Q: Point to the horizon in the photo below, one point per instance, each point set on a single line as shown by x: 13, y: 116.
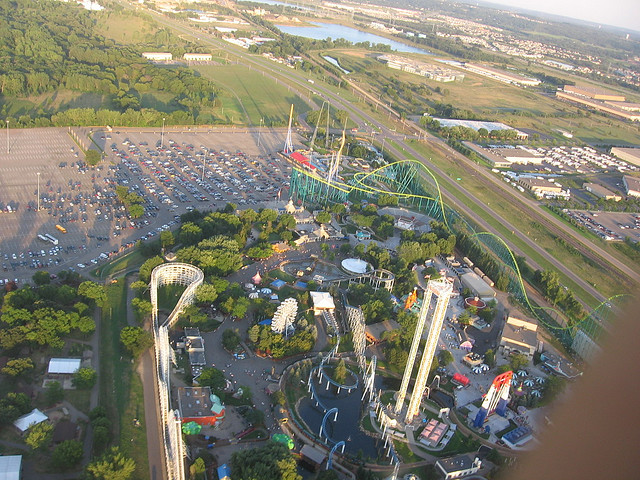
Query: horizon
x: 615, y: 13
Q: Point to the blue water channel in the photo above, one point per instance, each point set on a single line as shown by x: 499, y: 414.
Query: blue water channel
x: 347, y: 426
x: 321, y: 31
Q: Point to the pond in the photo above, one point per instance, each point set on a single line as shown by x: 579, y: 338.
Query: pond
x: 322, y: 31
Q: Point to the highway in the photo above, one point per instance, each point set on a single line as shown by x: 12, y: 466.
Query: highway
x: 532, y: 208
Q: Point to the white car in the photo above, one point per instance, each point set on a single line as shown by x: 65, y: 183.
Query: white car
x: 81, y: 265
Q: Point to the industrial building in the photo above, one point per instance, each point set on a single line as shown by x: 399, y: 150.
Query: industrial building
x: 520, y: 155
x: 519, y: 336
x: 542, y: 187
x: 589, y: 100
x: 631, y: 185
x: 595, y: 93
x: 601, y: 192
x: 427, y: 70
x: 502, y: 76
x: 631, y: 155
x: 478, y: 286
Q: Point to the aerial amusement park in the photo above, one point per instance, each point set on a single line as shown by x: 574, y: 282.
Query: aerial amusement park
x: 354, y: 406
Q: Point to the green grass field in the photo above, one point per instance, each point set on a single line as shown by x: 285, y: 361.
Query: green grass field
x: 130, y: 260
x: 249, y: 96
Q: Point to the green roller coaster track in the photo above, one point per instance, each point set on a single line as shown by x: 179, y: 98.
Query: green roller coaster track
x: 408, y: 181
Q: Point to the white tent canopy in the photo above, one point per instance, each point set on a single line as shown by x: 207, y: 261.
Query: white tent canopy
x: 10, y: 467
x: 322, y: 301
x: 63, y: 365
x: 32, y: 418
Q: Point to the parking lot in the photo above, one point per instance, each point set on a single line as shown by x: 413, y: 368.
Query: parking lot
x: 173, y: 171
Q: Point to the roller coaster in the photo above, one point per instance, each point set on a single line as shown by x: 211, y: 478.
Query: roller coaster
x: 415, y: 185
x: 191, y: 277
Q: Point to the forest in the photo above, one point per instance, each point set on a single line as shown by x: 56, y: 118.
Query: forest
x: 47, y: 46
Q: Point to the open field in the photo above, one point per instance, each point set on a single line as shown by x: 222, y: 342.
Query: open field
x: 249, y: 96
x: 126, y: 28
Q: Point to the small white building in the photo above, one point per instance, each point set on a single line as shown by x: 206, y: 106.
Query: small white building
x: 34, y: 417
x: 10, y: 467
x: 458, y: 466
x: 322, y: 302
x: 197, y: 57
x: 158, y: 56
x: 63, y: 366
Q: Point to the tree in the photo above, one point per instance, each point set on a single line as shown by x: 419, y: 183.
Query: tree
x: 92, y: 157
x: 214, y: 378
x: 323, y: 217
x: 136, y: 340
x: 39, y: 435
x: 53, y: 393
x: 93, y: 291
x: 141, y: 307
x: 67, y: 455
x: 112, y: 466
x: 464, y: 318
x: 273, y: 461
x: 139, y: 286
x: 518, y: 361
x: 340, y: 372
x: 254, y: 333
x: 445, y: 357
x: 197, y: 468
x: 490, y: 358
x: 230, y: 339
x: 41, y: 277
x: 136, y: 210
x: 147, y: 267
x: 18, y: 367
x: 206, y: 293
x: 85, y: 378
x: 167, y: 239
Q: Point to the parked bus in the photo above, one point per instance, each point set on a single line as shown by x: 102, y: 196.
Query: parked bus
x: 61, y: 228
x: 43, y: 238
x: 51, y: 238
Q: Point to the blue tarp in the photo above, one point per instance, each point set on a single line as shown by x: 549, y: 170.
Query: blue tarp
x: 278, y: 284
x: 266, y: 321
x: 224, y: 472
x: 301, y: 285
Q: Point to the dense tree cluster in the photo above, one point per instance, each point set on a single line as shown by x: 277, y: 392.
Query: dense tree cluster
x: 273, y: 461
x: 42, y: 316
x: 278, y: 346
x: 558, y: 294
x: 52, y: 45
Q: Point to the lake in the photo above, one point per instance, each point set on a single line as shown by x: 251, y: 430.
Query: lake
x: 322, y: 31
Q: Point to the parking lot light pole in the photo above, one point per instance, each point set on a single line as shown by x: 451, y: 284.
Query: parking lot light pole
x: 38, y: 192
x: 260, y: 131
x: 204, y: 162
x: 7, y: 137
x: 162, y: 135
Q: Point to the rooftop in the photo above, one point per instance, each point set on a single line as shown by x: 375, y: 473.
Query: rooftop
x: 10, y: 467
x: 63, y: 365
x: 322, y: 300
x: 195, y: 401
x: 457, y: 463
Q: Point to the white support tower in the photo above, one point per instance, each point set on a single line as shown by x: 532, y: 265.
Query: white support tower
x: 411, y: 359
x: 288, y: 143
x: 442, y: 289
x: 356, y: 321
x: 336, y: 159
x: 284, y: 317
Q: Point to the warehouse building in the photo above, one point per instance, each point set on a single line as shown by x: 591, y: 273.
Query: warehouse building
x: 197, y: 57
x: 631, y: 155
x: 631, y: 185
x: 601, y: 192
x: 519, y: 336
x: 595, y: 93
x: 609, y: 107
